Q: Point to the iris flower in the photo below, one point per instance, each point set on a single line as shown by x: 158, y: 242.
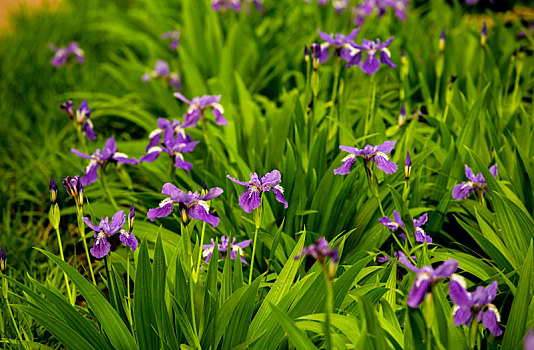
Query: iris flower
x: 475, y: 184
x: 342, y: 44
x: 81, y: 120
x: 251, y: 198
x: 107, y: 229
x: 195, y: 205
x: 174, y: 35
x: 174, y: 144
x: 320, y: 251
x: 427, y: 277
x: 198, y: 106
x: 374, y: 154
x: 74, y: 188
x: 99, y: 159
x: 161, y: 71
x: 63, y: 54
x: 474, y: 305
x: 371, y: 48
x: 207, y: 250
x: 420, y: 235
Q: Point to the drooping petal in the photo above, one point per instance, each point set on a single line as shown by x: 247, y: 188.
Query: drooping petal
x: 199, y: 212
x: 161, y: 212
x: 490, y: 319
x: 421, y: 236
x: 462, y: 315
x: 80, y: 154
x: 192, y: 118
x: 386, y: 221
x: 238, y: 181
x: 371, y: 64
x: 90, y: 224
x: 119, y: 157
x: 420, y: 287
x: 129, y: 239
x: 404, y: 260
x: 385, y: 164
x: 384, y: 58
x: 181, y: 163
x: 88, y: 130
x: 346, y: 167
x: 278, y: 193
x: 212, y: 193
x: 219, y: 117
x: 250, y: 199
x: 152, y: 155
x: 458, y: 292
x: 91, y: 175
x: 462, y: 191
x: 356, y: 60
x: 101, y: 246
x: 446, y: 269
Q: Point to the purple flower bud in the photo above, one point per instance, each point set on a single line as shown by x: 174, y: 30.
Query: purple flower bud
x: 53, y: 190
x: 3, y: 260
x: 484, y: 34
x: 131, y: 218
x: 320, y: 252
x: 442, y: 41
x: 402, y: 115
x: 407, y: 166
x: 74, y: 188
x: 306, y: 54
x: 68, y: 107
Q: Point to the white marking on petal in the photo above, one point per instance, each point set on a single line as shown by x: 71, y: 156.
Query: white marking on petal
x: 218, y: 107
x: 165, y: 202
x: 353, y: 51
x: 421, y: 277
x: 120, y: 155
x: 279, y: 188
x: 386, y: 51
x: 350, y: 156
x: 92, y: 163
x: 154, y: 149
x: 205, y: 205
x: 459, y: 279
x: 154, y: 133
x: 467, y: 184
x: 252, y: 190
x: 493, y: 309
x: 382, y: 154
x: 207, y: 251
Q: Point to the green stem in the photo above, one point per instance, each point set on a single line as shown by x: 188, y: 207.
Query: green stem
x: 335, y: 86
x: 81, y: 227
x: 172, y: 169
x: 105, y: 188
x: 71, y: 297
x: 200, y: 249
x: 329, y: 307
x: 473, y: 332
x: 128, y: 288
x: 5, y: 292
x: 371, y: 106
x: 253, y: 255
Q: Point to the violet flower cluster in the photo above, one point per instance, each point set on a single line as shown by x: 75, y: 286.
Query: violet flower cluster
x: 384, y: 259
x: 175, y: 143
x: 370, y: 154
x: 343, y: 44
x: 469, y: 306
x: 107, y: 228
x: 320, y: 252
x: 100, y: 159
x: 74, y: 188
x: 63, y: 55
x: 81, y: 119
x: 427, y: 277
x: 251, y: 198
x: 161, y: 71
x: 397, y: 223
x: 475, y: 184
x: 236, y: 5
x: 368, y: 7
x: 198, y: 107
x: 207, y: 250
x: 174, y: 35
x: 192, y: 205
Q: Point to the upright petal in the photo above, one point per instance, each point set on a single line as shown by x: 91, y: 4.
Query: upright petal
x: 446, y: 269
x: 109, y: 148
x: 170, y: 190
x: 212, y: 193
x: 117, y: 221
x: 421, y: 221
x: 493, y: 170
x: 469, y: 173
x: 271, y: 179
x: 492, y: 291
x: 250, y: 199
x: 80, y: 154
x: 398, y: 218
x: 90, y: 224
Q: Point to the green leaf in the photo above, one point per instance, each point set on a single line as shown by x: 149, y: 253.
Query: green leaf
x: 298, y: 338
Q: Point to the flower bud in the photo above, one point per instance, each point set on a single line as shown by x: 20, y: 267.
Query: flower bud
x: 442, y: 42
x: 53, y: 190
x: 3, y: 260
x: 131, y: 218
x: 184, y: 211
x: 407, y: 166
x: 484, y: 34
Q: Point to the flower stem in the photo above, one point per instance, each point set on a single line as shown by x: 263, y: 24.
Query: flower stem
x: 329, y: 306
x: 105, y: 188
x: 5, y: 292
x: 71, y: 297
x: 81, y: 228
x: 371, y: 106
x: 200, y: 250
x: 128, y: 288
x: 473, y: 332
x: 172, y: 169
x: 253, y: 254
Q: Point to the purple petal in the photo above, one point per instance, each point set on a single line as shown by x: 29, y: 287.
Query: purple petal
x: 129, y: 239
x: 420, y: 287
x: 250, y: 199
x: 385, y: 165
x: 386, y: 221
x: 171, y: 190
x: 181, y: 97
x: 109, y: 149
x: 117, y: 221
x: 493, y: 170
x: 90, y: 224
x: 162, y: 68
x: 421, y: 221
x: 328, y: 38
x: 91, y: 176
x: 151, y: 156
x: 88, y: 130
x: 212, y: 193
x: 192, y: 118
x: 404, y: 260
x: 386, y: 147
x: 346, y: 167
x: 219, y: 118
x: 384, y: 58
x: 80, y: 154
x: 492, y: 291
x: 279, y: 196
x: 446, y: 269
x: 462, y: 191
x: 490, y: 319
x: 371, y: 64
x: 458, y: 293
x: 469, y: 173
x: 271, y: 179
x: 199, y: 212
x: 237, y: 181
x: 101, y: 247
x: 398, y: 218
x: 181, y: 163
x: 356, y: 60
x: 160, y: 212
x: 463, y: 316
x: 126, y: 160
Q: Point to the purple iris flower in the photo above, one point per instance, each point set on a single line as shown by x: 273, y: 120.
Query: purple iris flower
x: 63, y: 54
x: 81, y: 120
x: 477, y: 184
x: 320, y: 251
x: 367, y: 7
x: 420, y: 235
x: 101, y: 159
x: 372, y: 64
x: 236, y: 5
x: 207, y: 250
x: 342, y: 44
x: 427, y: 278
x: 3, y: 260
x: 529, y: 340
x: 174, y: 35
x: 163, y: 124
x: 74, y: 188
x: 477, y: 304
x: 198, y: 106
x: 376, y: 154
x: 53, y: 190
x: 251, y: 198
x: 195, y: 205
x: 384, y: 259
x: 319, y: 54
x: 175, y: 143
x: 161, y: 71
x: 107, y: 229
